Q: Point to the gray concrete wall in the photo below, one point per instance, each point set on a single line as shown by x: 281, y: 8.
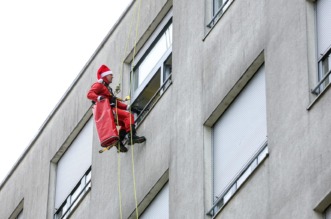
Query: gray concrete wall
x: 207, y: 63
x: 288, y: 184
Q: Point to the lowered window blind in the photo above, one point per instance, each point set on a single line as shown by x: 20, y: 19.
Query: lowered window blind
x: 323, y: 26
x: 159, y: 207
x: 239, y: 132
x: 74, y: 163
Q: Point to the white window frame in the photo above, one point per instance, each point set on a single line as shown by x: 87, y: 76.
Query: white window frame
x: 73, y: 183
x: 158, y: 79
x: 218, y: 10
x: 323, y: 55
x: 145, y: 50
x: 72, y: 200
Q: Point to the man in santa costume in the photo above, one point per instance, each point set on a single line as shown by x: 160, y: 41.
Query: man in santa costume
x: 101, y: 90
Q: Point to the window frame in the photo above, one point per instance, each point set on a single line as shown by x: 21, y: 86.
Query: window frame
x: 77, y: 194
x: 144, y: 52
x: 137, y: 94
x: 252, y: 164
x: 151, y: 194
x: 71, y: 187
x: 163, y: 193
x: 218, y: 13
x: 323, y: 77
x: 19, y: 211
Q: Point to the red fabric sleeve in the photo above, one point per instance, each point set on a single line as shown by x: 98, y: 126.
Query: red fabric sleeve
x: 121, y: 105
x: 94, y: 92
x: 98, y: 89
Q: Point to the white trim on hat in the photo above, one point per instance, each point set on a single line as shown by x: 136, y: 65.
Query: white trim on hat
x: 106, y: 73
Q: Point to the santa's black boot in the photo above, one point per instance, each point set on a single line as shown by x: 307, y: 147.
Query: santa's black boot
x: 122, y: 134
x: 134, y: 138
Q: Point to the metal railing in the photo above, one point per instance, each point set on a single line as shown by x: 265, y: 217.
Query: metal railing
x: 317, y: 90
x: 237, y: 181
x: 72, y: 199
x: 322, y: 61
x: 218, y: 14
x: 144, y: 112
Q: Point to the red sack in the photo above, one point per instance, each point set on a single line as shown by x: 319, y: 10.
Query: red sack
x: 104, y: 121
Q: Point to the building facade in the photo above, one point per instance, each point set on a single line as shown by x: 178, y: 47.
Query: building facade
x: 232, y: 97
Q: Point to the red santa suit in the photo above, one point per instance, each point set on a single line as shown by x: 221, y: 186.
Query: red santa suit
x: 101, y: 89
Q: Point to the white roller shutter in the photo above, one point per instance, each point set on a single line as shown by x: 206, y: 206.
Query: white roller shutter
x: 74, y: 163
x: 239, y: 132
x: 323, y: 26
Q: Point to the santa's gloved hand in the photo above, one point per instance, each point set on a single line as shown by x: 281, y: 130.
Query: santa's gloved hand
x: 100, y: 98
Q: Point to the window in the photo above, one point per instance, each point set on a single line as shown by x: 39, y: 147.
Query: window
x: 239, y: 141
x: 73, y: 176
x: 152, y: 72
x: 20, y: 215
x: 327, y: 213
x: 219, y: 7
x: 323, y: 19
x: 18, y: 212
x: 159, y: 207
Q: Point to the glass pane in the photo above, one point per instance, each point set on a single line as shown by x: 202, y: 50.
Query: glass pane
x: 244, y: 177
x: 323, y: 26
x: 230, y: 193
x: 325, y: 66
x: 217, y: 5
x: 74, y: 163
x: 167, y: 68
x: 88, y: 177
x: 147, y: 94
x: 262, y: 155
x: 153, y: 57
x: 77, y: 192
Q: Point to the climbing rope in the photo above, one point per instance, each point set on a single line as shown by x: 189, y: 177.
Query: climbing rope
x: 132, y: 151
x: 117, y: 90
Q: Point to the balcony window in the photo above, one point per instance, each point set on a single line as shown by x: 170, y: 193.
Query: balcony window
x: 152, y: 74
x: 219, y: 7
x: 239, y: 141
x: 73, y: 174
x: 159, y: 207
x: 323, y: 19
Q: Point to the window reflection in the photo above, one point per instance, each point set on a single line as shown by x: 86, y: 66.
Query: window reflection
x: 153, y: 57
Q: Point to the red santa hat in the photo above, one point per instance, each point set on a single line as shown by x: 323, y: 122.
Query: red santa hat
x: 102, y: 72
